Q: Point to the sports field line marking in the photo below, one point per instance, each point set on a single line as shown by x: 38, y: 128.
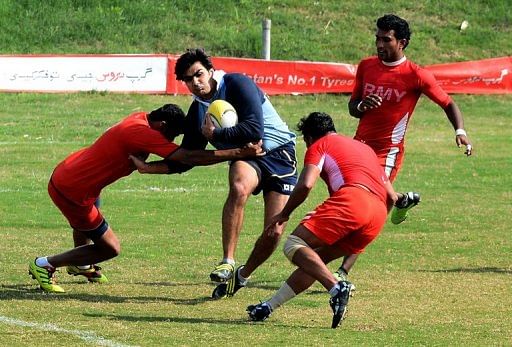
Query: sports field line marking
x: 84, y: 335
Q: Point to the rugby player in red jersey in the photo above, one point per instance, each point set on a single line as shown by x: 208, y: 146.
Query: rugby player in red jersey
x: 76, y: 184
x: 386, y: 90
x: 360, y: 196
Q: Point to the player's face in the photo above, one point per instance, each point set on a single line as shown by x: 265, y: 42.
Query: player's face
x: 389, y: 48
x: 199, y: 81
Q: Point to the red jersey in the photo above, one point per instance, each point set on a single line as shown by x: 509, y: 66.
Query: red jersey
x: 346, y: 162
x: 400, y: 87
x: 83, y: 174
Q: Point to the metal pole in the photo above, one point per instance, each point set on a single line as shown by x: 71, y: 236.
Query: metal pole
x: 266, y: 38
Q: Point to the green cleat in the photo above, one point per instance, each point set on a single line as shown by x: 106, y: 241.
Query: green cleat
x: 222, y: 272
x: 44, y: 277
x: 93, y: 273
x: 403, y: 205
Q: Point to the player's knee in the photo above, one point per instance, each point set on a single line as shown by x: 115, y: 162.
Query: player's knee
x: 292, y: 245
x: 239, y: 192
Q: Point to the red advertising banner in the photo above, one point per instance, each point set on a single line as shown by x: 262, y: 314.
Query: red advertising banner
x: 490, y: 76
x: 282, y: 77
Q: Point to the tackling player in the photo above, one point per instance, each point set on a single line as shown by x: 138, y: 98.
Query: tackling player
x: 76, y: 184
x: 360, y: 195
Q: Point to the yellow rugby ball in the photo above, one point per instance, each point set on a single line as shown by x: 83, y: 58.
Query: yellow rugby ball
x: 222, y: 114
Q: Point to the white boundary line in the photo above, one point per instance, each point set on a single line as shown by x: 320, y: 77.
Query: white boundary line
x: 84, y: 335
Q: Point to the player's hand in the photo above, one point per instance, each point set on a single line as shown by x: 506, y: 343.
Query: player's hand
x: 369, y: 102
x: 278, y: 220
x: 254, y: 149
x: 463, y: 140
x: 207, y: 128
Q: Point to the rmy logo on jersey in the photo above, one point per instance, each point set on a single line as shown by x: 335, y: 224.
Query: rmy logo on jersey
x: 384, y: 92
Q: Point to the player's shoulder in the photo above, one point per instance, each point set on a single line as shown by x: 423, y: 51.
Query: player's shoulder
x: 236, y: 77
x: 372, y: 60
x: 418, y: 70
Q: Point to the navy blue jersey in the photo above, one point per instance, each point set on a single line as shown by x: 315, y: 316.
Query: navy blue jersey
x: 257, y: 118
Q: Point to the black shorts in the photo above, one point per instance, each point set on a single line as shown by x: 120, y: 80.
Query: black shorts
x: 277, y: 170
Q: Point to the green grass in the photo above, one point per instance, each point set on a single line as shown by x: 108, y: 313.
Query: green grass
x: 331, y: 30
x: 441, y: 278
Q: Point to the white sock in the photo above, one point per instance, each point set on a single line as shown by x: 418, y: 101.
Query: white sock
x: 228, y: 261
x: 243, y: 280
x: 283, y: 294
x: 334, y: 290
x: 84, y: 267
x: 43, y: 262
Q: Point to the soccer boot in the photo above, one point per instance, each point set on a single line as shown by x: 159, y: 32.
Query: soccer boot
x: 404, y: 204
x: 259, y: 312
x: 339, y: 303
x: 93, y: 273
x: 229, y: 288
x: 222, y: 272
x: 341, y: 275
x: 45, y: 278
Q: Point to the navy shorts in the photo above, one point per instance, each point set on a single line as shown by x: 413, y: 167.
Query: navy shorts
x: 277, y: 170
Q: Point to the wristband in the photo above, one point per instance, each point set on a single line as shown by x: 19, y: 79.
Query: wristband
x: 359, y: 106
x: 460, y: 132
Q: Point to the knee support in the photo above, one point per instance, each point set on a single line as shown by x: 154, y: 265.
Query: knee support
x: 292, y: 245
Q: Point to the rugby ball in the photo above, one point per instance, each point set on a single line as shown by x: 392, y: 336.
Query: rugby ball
x: 222, y: 114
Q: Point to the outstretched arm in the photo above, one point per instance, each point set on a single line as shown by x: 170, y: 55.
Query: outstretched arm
x: 208, y: 157
x: 455, y: 117
x: 197, y: 158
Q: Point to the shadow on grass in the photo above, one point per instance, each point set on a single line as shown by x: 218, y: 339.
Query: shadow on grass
x: 30, y: 292
x: 186, y: 320
x: 191, y: 320
x: 252, y: 284
x: 474, y: 270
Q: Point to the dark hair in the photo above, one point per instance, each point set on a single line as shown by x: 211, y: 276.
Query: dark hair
x: 187, y: 59
x: 316, y: 125
x: 400, y: 26
x: 172, y: 115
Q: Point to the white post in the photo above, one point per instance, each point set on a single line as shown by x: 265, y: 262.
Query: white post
x: 266, y: 38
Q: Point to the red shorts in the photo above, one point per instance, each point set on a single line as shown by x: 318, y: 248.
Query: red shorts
x: 391, y: 161
x: 351, y: 218
x: 80, y: 217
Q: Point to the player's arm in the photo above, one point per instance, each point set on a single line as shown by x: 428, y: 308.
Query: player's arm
x: 392, y: 196
x: 431, y: 88
x: 455, y: 117
x: 359, y: 104
x: 247, y: 99
x: 195, y: 158
x: 306, y: 182
x: 154, y: 167
x: 357, y: 107
x: 209, y: 157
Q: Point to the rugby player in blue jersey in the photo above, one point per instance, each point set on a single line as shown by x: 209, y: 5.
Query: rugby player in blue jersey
x: 274, y: 174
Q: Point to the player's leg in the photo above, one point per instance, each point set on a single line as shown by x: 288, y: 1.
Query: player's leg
x: 243, y: 180
x: 297, y: 283
x: 391, y: 160
x: 302, y: 255
x: 103, y: 248
x: 278, y: 172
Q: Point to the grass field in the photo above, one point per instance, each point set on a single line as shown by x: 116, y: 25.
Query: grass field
x: 444, y: 277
